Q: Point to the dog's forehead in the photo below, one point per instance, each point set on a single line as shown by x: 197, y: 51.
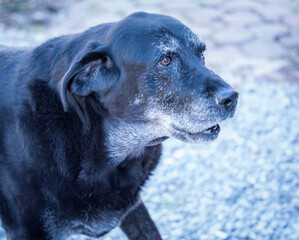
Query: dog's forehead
x: 171, y: 41
x: 144, y: 35
x: 170, y: 33
x: 156, y: 24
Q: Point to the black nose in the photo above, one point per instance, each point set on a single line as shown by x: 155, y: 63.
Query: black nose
x: 227, y: 99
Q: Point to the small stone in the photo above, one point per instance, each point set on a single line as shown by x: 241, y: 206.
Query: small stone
x: 263, y: 49
x: 292, y: 20
x: 206, y: 237
x: 168, y: 161
x: 268, y: 32
x: 241, y: 18
x: 179, y: 153
x: 177, y: 232
x: 221, y: 234
x: 274, y: 12
x: 261, y: 225
x: 232, y: 35
x: 40, y: 17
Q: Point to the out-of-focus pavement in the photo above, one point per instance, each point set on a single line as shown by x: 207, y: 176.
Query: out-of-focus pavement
x: 257, y: 37
x: 245, y: 185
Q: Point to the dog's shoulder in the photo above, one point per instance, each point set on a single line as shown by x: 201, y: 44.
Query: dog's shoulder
x: 10, y: 59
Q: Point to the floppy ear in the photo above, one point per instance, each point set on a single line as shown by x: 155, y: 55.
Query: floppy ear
x: 95, y: 71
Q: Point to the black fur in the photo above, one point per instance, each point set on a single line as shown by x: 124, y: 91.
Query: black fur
x: 72, y: 111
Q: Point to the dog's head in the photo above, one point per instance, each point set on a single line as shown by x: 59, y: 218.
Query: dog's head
x: 149, y: 70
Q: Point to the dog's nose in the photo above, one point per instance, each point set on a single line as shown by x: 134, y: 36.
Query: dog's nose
x: 227, y: 99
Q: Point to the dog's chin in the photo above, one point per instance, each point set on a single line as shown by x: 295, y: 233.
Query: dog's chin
x: 157, y: 141
x: 207, y: 135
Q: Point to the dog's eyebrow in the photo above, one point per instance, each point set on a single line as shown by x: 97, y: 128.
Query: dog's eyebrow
x: 197, y: 46
x: 169, y: 44
x: 201, y: 46
x: 194, y: 42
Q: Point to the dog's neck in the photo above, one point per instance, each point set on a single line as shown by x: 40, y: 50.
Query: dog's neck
x: 128, y: 140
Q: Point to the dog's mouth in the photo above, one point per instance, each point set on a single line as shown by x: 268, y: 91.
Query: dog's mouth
x: 211, y: 130
x: 205, y: 135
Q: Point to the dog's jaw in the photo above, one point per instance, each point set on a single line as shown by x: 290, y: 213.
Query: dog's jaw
x: 128, y: 140
x: 156, y: 141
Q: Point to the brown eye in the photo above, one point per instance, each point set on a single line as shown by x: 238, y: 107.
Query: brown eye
x: 165, y: 62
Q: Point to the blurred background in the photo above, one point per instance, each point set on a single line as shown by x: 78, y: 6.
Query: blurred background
x: 245, y: 185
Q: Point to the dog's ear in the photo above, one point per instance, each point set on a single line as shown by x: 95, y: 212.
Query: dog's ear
x: 93, y: 71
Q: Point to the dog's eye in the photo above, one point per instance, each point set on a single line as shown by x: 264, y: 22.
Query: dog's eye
x: 165, y: 62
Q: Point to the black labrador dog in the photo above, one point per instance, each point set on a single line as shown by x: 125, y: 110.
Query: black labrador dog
x: 82, y: 118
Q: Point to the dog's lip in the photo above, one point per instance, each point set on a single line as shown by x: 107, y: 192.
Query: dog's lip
x: 214, y: 129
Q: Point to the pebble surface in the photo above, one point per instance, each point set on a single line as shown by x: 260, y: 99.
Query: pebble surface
x: 244, y: 185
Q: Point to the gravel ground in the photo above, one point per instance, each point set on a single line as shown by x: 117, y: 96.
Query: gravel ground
x: 245, y: 185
